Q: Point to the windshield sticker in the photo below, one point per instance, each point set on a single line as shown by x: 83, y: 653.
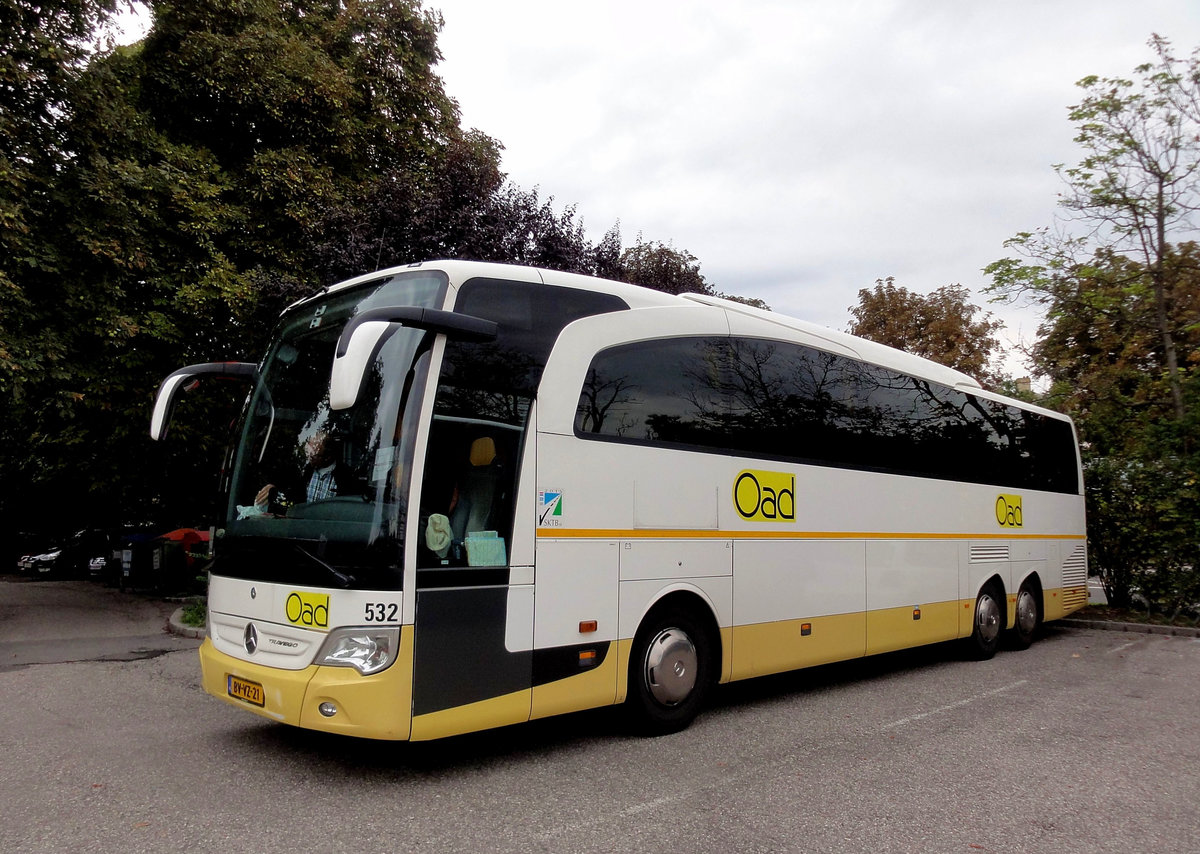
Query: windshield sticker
x: 550, y: 508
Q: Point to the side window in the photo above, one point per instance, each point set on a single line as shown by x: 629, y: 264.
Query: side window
x: 670, y: 391
x: 789, y: 401
x: 786, y: 401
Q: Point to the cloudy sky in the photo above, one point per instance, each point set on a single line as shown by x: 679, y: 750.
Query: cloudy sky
x: 799, y: 149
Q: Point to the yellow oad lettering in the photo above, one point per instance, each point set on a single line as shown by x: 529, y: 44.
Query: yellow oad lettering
x: 308, y: 609
x: 1008, y: 511
x: 765, y: 496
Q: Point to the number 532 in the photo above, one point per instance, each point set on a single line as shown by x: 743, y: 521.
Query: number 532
x: 382, y: 612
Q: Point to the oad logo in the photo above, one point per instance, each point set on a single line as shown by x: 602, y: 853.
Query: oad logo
x: 765, y: 496
x: 308, y: 609
x: 1008, y: 511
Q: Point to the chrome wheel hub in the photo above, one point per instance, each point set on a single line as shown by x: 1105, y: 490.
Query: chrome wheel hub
x: 987, y: 618
x: 671, y: 665
x: 1026, y: 612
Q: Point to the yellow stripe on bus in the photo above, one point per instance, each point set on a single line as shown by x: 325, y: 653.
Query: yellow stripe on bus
x: 687, y: 533
x: 493, y: 712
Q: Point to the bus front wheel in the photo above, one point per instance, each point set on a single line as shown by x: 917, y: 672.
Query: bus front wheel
x: 670, y: 672
x: 989, y: 620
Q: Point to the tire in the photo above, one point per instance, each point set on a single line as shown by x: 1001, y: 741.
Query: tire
x: 1029, y: 617
x: 670, y: 672
x: 988, y: 621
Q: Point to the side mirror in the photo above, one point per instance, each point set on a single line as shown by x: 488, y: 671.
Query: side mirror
x: 366, y: 332
x: 186, y: 379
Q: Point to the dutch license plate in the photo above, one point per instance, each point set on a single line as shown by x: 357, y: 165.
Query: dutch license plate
x: 247, y: 691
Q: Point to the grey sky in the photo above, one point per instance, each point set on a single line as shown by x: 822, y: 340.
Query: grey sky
x: 799, y: 149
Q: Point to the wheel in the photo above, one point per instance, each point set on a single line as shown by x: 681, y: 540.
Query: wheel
x: 989, y: 620
x: 1029, y: 617
x: 670, y: 672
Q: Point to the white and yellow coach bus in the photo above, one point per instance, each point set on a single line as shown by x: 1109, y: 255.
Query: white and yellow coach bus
x: 466, y: 495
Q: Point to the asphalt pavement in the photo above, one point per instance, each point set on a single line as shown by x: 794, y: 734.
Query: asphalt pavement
x: 1085, y: 742
x: 55, y: 622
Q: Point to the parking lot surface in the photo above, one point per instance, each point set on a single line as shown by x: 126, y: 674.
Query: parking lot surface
x: 52, y: 622
x: 1088, y: 741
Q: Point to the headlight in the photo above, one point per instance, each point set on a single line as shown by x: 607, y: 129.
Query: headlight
x: 368, y: 650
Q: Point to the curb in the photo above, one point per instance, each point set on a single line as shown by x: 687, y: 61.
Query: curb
x: 176, y: 626
x: 1136, y: 628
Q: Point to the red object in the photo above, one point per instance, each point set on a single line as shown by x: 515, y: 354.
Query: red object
x: 188, y: 538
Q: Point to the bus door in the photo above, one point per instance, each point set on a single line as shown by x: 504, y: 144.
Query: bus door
x: 472, y: 659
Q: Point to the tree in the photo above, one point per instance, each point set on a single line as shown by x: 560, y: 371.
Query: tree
x: 1133, y: 191
x: 1119, y: 280
x: 192, y: 180
x: 43, y: 48
x: 943, y: 326
x: 662, y: 267
x: 162, y: 202
x: 1101, y: 349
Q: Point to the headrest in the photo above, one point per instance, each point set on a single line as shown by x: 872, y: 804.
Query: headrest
x: 483, y: 451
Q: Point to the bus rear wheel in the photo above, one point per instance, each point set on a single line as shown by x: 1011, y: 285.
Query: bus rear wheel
x: 670, y: 672
x: 989, y: 620
x: 1029, y: 617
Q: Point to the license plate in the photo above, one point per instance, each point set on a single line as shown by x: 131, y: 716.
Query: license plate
x: 247, y: 691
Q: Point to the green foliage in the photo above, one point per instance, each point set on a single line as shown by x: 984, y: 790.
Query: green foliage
x: 1100, y: 346
x: 1121, y: 339
x: 185, y: 186
x: 195, y: 614
x: 663, y: 267
x: 943, y: 326
x: 160, y: 203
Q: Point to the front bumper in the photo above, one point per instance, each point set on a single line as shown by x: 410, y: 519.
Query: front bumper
x: 376, y: 706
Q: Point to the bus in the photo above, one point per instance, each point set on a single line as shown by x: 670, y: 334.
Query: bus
x: 465, y: 495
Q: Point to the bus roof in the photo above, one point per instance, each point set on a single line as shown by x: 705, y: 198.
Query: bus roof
x: 637, y: 296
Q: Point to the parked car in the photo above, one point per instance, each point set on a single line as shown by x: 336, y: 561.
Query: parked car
x: 39, y: 564
x: 68, y: 558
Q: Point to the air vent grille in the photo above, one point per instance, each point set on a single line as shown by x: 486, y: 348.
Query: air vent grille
x: 1075, y: 570
x: 989, y: 554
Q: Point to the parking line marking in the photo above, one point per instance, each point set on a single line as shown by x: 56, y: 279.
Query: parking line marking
x: 952, y: 706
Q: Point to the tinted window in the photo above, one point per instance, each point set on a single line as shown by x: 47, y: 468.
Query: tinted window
x: 785, y: 401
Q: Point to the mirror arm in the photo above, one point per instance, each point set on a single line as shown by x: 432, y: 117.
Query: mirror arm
x: 168, y: 391
x: 459, y: 327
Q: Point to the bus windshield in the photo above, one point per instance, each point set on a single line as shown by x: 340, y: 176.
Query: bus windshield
x: 317, y: 496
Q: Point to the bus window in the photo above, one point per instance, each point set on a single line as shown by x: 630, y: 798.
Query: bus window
x: 480, y: 417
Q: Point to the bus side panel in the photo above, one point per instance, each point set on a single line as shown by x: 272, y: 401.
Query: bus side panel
x: 576, y: 608
x: 912, y: 593
x: 472, y: 663
x: 797, y: 603
x: 1066, y: 590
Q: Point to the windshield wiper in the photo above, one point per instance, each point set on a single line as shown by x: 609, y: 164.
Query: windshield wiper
x: 344, y: 581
